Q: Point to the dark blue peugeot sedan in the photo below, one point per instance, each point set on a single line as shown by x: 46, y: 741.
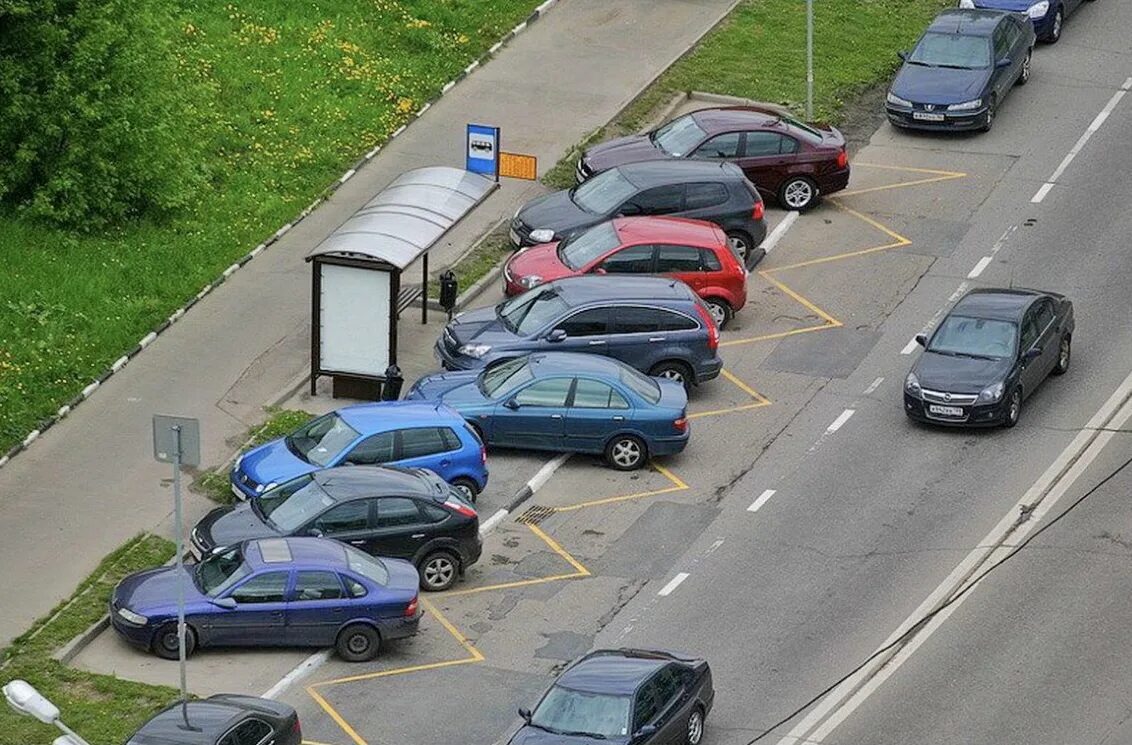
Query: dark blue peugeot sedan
x: 961, y: 69
x: 274, y: 592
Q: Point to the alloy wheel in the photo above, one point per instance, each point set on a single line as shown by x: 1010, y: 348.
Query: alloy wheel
x: 1055, y: 32
x: 695, y: 727
x: 1026, y: 63
x: 718, y: 314
x: 626, y: 453
x: 738, y: 244
x: 439, y: 571
x: 466, y: 491
x: 673, y: 374
x: 798, y: 194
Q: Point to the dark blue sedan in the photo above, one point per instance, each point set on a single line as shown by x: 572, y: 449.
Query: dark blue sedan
x: 274, y: 592
x: 568, y: 402
x: 1048, y: 15
x: 961, y: 69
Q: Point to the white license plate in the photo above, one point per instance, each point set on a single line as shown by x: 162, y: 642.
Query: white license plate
x: 514, y: 237
x: 239, y: 494
x: 926, y: 117
x: 945, y: 410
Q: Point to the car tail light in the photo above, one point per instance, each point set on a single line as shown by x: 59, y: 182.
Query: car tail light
x: 460, y: 508
x: 297, y: 730
x: 759, y: 210
x: 712, y: 329
x: 411, y: 608
x: 842, y: 158
x: 483, y: 455
x: 680, y: 424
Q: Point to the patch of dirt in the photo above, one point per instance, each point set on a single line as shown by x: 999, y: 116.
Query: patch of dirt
x: 863, y: 115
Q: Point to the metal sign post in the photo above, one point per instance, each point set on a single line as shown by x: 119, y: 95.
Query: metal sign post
x: 809, y: 59
x: 176, y: 440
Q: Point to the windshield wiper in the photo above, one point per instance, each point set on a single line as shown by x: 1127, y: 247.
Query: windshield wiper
x: 921, y: 64
x: 974, y: 356
x: 955, y: 67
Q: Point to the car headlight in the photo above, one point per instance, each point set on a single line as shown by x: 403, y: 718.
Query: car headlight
x: 1038, y: 10
x: 912, y: 384
x: 542, y: 235
x: 966, y: 105
x: 968, y: 4
x: 896, y: 100
x: 135, y: 618
x: 992, y: 394
x: 239, y: 462
x: 474, y: 350
x: 531, y: 281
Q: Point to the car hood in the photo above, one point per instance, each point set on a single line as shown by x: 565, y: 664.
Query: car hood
x: 453, y: 388
x: 939, y: 85
x: 1018, y: 6
x: 152, y: 589
x: 225, y: 526
x: 528, y: 735
x: 631, y: 149
x: 481, y: 326
x: 274, y: 462
x: 556, y: 212
x: 541, y: 260
x: 941, y: 372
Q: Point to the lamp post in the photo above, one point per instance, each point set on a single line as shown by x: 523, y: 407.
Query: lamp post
x: 809, y: 59
x: 28, y: 702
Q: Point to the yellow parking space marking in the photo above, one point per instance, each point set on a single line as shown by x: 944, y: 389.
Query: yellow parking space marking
x: 937, y: 176
x: 582, y: 571
x: 579, y: 570
x: 350, y: 731
x: 759, y: 399
x: 677, y: 485
x: 314, y: 742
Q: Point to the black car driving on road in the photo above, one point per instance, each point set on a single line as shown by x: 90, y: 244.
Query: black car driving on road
x: 222, y: 719
x: 639, y: 696
x: 991, y: 352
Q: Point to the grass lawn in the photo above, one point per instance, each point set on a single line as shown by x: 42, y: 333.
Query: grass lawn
x: 759, y: 52
x: 280, y: 422
x: 102, y: 709
x: 293, y: 92
x: 491, y: 251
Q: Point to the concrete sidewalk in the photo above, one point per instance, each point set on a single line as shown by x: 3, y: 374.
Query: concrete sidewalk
x: 90, y: 482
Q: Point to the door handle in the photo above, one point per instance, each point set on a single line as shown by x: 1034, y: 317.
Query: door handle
x: 418, y: 535
x: 656, y: 338
x: 360, y: 542
x: 555, y: 416
x: 618, y: 418
x: 596, y: 343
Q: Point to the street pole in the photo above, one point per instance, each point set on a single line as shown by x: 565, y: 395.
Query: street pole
x: 809, y: 59
x: 178, y: 529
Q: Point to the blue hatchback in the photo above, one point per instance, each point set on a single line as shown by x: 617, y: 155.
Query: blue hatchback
x: 568, y: 402
x: 401, y: 433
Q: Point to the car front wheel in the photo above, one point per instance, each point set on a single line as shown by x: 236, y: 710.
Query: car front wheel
x: 1055, y: 30
x: 166, y: 645
x: 1064, y: 354
x: 695, y: 731
x: 1026, y: 67
x: 626, y: 452
x: 1013, y: 408
x: 992, y: 105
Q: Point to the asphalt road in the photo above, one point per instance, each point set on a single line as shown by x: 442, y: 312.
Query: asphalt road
x: 868, y: 513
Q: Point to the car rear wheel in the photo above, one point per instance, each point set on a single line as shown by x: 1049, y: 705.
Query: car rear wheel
x: 1013, y: 408
x: 467, y: 487
x: 797, y: 193
x: 1024, y: 77
x: 744, y: 247
x: 358, y: 643
x: 673, y: 370
x: 166, y: 646
x: 1064, y: 354
x: 626, y: 452
x: 720, y: 311
x: 439, y: 571
x: 695, y: 731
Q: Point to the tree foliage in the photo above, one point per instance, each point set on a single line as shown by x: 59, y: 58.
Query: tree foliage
x: 92, y: 112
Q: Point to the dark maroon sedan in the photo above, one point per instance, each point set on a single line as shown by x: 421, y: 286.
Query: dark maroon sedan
x: 786, y: 159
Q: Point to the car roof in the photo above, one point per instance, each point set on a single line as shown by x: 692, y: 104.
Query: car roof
x: 210, y: 718
x: 967, y: 21
x: 625, y: 287
x: 554, y: 363
x: 389, y: 415
x: 347, y: 482
x: 669, y: 230
x: 996, y: 303
x: 722, y: 119
x: 610, y: 672
x: 649, y: 173
x: 294, y: 550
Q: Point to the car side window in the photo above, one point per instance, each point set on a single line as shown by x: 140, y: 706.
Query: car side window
x: 551, y: 392
x: 269, y: 587
x: 317, y: 585
x: 1001, y: 43
x: 591, y: 322
x: 1029, y: 332
x: 630, y: 260
x: 721, y: 146
x: 787, y: 144
x: 373, y: 450
x: 593, y: 394
x: 661, y: 200
x: 248, y: 732
x: 710, y: 261
x: 669, y: 681
x: 355, y: 588
x: 677, y: 259
x: 763, y: 143
x: 703, y: 195
x: 345, y: 518
x: 432, y: 513
x: 1045, y: 315
x: 393, y: 512
x: 634, y: 320
x: 421, y: 441
x: 669, y: 321
x: 451, y: 439
x: 646, y: 704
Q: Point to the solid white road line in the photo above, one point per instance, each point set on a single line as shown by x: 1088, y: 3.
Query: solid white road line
x: 983, y: 264
x: 673, y: 584
x: 1080, y: 145
x: 840, y: 420
x: 303, y: 668
x: 779, y: 231
x: 763, y: 499
x: 876, y: 383
x: 910, y: 346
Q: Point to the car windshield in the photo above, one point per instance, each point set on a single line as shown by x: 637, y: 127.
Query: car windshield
x: 584, y: 247
x: 962, y: 336
x: 951, y: 50
x: 289, y: 508
x: 216, y: 573
x: 603, y: 193
x: 505, y: 377
x: 679, y: 136
x: 565, y: 710
x: 529, y: 312
x: 322, y: 440
x: 641, y: 385
x: 368, y: 566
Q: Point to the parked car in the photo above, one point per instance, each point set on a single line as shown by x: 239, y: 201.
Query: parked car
x: 412, y: 435
x: 1048, y: 16
x: 275, y: 592
x: 639, y: 696
x: 692, y: 251
x: 580, y: 403
x: 961, y: 69
x: 222, y: 719
x: 659, y: 326
x: 989, y: 354
x: 786, y: 159
x: 704, y: 190
x: 406, y: 514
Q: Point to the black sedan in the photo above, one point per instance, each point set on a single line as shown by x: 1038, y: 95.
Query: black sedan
x: 639, y: 696
x: 989, y: 353
x: 961, y: 69
x: 409, y: 514
x: 223, y: 719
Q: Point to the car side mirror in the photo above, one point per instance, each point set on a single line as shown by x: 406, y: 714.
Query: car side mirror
x: 647, y: 730
x: 525, y: 714
x: 922, y: 340
x: 902, y: 54
x: 225, y: 603
x: 1004, y: 62
x: 628, y: 210
x: 1032, y: 354
x: 556, y: 336
x: 598, y: 270
x: 315, y: 532
x: 511, y: 404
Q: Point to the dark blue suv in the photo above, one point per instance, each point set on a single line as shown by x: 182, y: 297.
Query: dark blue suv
x: 656, y: 325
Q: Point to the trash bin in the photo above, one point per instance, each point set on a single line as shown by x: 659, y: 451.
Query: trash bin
x: 391, y: 390
x: 448, y: 289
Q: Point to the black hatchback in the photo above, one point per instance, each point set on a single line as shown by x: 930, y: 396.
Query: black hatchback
x: 711, y: 191
x: 222, y: 719
x: 409, y: 514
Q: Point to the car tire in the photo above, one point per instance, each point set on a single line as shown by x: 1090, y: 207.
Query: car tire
x: 694, y: 732
x: 1013, y: 408
x: 439, y: 571
x: 992, y: 110
x: 1054, y: 34
x: 673, y: 370
x: 358, y: 643
x: 1024, y: 77
x: 1064, y: 355
x: 798, y: 193
x: 720, y: 310
x: 626, y: 452
x: 467, y: 487
x: 744, y: 247
x: 165, y: 643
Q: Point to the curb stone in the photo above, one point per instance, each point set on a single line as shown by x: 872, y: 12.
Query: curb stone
x: 326, y: 193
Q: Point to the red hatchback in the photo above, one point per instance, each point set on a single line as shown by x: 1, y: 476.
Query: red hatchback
x: 693, y: 251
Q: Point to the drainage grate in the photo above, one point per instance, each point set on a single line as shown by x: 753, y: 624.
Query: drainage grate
x: 535, y: 514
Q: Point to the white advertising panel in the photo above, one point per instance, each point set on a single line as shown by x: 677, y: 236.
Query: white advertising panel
x: 354, y: 320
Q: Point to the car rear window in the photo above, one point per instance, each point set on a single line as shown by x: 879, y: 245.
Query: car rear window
x: 800, y: 128
x: 368, y: 566
x: 641, y: 384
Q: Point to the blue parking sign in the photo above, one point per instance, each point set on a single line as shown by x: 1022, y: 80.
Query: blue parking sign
x: 483, y: 150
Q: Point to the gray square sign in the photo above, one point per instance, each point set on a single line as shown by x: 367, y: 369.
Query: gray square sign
x: 165, y: 431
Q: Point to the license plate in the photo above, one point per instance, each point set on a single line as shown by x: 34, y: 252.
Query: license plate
x: 514, y: 237
x: 945, y: 410
x: 196, y: 552
x: 926, y: 117
x: 239, y: 494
